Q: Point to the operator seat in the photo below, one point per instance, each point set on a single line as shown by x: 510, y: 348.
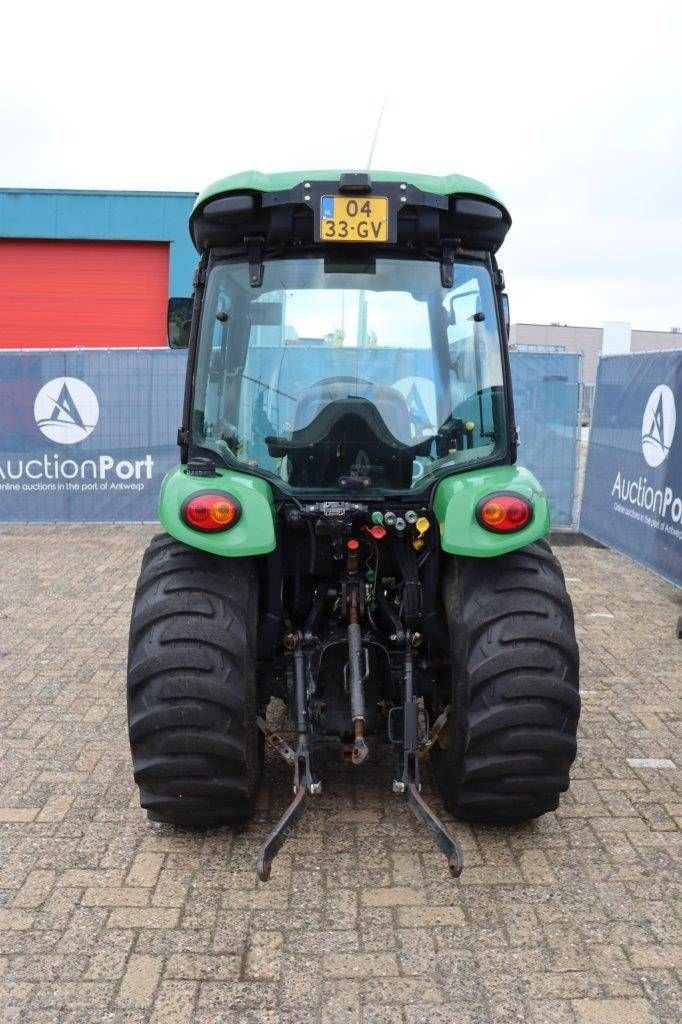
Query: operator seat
x: 390, y: 402
x: 349, y: 428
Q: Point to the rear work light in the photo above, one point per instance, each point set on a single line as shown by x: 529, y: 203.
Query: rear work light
x: 504, y: 512
x: 211, y: 511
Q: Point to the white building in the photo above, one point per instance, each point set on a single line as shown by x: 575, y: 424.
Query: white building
x: 591, y: 341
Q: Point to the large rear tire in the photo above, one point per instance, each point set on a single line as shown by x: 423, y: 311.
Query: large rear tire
x: 192, y: 686
x: 511, y: 740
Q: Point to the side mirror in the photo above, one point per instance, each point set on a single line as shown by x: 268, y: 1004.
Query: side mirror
x: 505, y: 313
x: 179, y: 322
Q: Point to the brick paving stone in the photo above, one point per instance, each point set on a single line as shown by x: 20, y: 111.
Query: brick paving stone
x: 430, y: 917
x: 613, y: 1011
x: 94, y: 996
x: 656, y: 956
x: 348, y: 965
x: 145, y: 869
x: 55, y: 808
x: 143, y: 917
x: 100, y: 896
x: 140, y: 980
x: 171, y: 888
x: 76, y: 878
x: 105, y: 916
x: 341, y: 1002
x: 401, y: 991
x: 395, y: 896
x: 18, y: 814
x: 15, y: 920
x: 35, y: 889
x: 202, y: 966
x: 174, y: 1003
x: 109, y: 956
x: 263, y: 958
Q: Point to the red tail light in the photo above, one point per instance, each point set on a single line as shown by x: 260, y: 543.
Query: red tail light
x: 211, y: 511
x: 504, y: 512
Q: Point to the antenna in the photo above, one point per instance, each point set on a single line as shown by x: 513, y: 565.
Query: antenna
x: 376, y: 133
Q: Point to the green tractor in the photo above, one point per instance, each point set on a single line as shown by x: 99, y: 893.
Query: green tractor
x: 348, y: 530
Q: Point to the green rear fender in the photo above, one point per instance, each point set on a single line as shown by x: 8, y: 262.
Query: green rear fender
x: 455, y: 503
x: 253, y: 534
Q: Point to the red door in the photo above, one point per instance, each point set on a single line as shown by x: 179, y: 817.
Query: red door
x: 63, y: 294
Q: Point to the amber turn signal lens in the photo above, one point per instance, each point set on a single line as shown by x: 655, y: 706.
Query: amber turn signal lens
x: 504, y: 513
x: 211, y: 512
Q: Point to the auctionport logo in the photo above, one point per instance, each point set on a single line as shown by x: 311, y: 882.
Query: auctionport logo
x: 639, y: 499
x: 66, y: 410
x: 658, y: 425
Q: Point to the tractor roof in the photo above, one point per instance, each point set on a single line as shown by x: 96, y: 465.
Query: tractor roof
x: 256, y: 181
x: 285, y: 205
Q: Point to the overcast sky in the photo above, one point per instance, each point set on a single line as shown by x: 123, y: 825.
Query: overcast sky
x: 572, y: 112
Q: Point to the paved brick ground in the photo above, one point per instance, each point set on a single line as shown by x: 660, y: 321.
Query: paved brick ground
x: 105, y: 917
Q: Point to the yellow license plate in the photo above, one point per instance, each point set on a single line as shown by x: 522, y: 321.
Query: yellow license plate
x: 358, y: 219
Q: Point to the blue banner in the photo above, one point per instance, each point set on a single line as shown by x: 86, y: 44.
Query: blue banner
x: 87, y: 435
x: 632, y: 499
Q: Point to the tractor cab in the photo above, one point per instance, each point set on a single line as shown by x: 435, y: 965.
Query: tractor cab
x: 348, y: 332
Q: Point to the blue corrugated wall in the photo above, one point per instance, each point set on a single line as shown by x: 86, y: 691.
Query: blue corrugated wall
x: 106, y: 216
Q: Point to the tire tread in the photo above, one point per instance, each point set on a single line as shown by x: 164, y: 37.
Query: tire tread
x: 515, y: 687
x: 191, y: 686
